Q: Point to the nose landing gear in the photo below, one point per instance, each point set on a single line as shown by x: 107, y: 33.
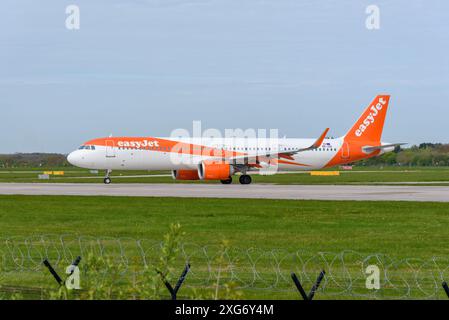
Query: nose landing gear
x: 107, y: 180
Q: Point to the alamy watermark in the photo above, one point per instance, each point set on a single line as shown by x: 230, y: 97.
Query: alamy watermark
x: 72, y: 21
x: 373, y: 277
x: 73, y: 280
x: 372, y: 21
x: 250, y: 146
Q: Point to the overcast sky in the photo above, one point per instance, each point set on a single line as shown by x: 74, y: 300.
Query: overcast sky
x: 146, y: 67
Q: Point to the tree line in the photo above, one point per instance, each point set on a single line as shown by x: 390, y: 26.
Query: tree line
x: 424, y: 154
x: 33, y: 160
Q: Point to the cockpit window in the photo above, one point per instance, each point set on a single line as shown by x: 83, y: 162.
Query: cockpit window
x: 86, y: 148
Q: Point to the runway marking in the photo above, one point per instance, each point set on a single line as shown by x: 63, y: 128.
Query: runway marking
x: 254, y: 191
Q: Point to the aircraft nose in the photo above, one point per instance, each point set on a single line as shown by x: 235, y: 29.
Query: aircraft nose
x: 73, y: 158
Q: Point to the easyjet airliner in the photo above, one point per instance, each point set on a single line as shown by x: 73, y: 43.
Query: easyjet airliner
x: 193, y: 159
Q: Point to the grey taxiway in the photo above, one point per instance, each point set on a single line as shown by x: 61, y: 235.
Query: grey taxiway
x: 253, y: 191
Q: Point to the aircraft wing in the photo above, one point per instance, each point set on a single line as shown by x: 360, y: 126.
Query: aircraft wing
x: 253, y: 158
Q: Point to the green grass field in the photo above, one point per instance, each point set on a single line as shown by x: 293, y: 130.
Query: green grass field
x: 360, y: 175
x: 397, y: 229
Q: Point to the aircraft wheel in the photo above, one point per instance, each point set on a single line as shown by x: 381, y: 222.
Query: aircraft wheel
x: 227, y: 181
x: 107, y: 180
x: 245, y: 179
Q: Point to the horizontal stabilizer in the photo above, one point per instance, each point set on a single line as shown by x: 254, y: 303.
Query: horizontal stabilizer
x: 370, y: 149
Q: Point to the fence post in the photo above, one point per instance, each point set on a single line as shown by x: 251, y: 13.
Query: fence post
x: 446, y: 288
x: 53, y: 272
x: 315, y: 287
x: 174, y: 292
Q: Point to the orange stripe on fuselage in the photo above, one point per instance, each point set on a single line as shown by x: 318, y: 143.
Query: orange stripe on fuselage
x: 286, y: 156
x: 162, y: 145
x: 293, y: 163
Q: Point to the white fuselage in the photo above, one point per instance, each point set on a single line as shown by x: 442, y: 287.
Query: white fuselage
x: 115, y: 157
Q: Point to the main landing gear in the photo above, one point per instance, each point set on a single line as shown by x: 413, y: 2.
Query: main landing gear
x: 227, y: 181
x: 245, y: 179
x: 107, y: 180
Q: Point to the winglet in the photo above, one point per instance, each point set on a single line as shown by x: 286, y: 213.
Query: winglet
x: 320, y: 140
x: 316, y: 144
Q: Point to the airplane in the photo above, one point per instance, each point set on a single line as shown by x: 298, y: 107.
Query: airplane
x: 221, y: 158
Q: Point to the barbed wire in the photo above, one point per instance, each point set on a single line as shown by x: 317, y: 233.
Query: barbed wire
x: 251, y: 269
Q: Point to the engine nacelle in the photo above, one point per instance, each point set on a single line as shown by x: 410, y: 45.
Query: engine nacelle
x: 185, y: 174
x: 210, y: 170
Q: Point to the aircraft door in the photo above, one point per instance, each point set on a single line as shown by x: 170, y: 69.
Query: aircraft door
x: 345, y: 150
x: 110, y: 149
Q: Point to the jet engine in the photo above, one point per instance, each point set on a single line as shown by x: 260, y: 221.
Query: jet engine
x: 185, y: 174
x: 215, y: 170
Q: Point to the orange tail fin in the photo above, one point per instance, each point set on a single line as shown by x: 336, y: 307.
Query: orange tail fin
x: 370, y: 125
